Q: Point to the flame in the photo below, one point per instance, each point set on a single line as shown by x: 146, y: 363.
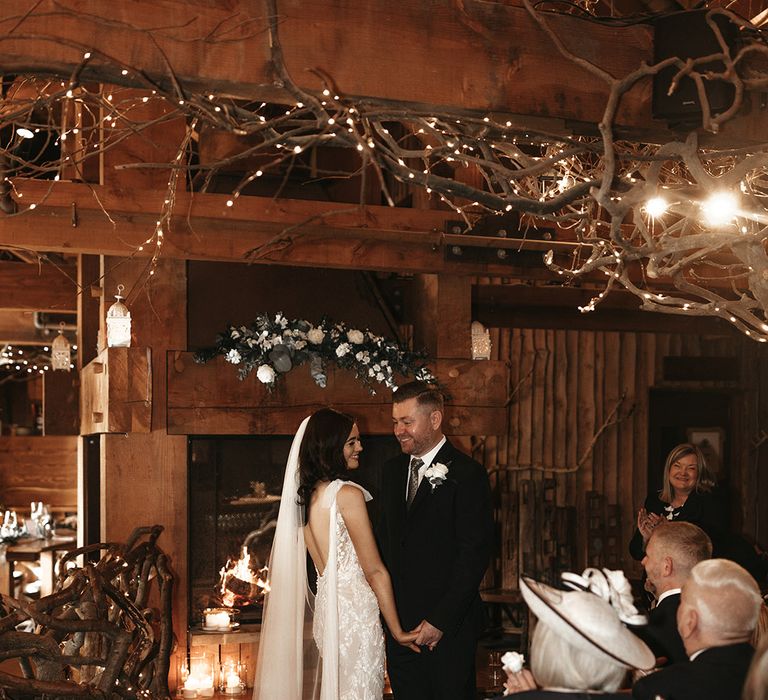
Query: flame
x: 239, y: 584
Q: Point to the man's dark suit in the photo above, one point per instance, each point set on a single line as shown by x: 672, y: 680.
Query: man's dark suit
x: 437, y: 552
x: 716, y: 674
x: 661, y: 634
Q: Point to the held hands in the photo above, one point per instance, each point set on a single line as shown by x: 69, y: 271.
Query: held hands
x: 647, y: 522
x: 428, y: 636
x: 408, y: 639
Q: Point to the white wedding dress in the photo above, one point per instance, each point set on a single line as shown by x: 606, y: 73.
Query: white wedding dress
x: 342, y: 621
x: 360, y: 642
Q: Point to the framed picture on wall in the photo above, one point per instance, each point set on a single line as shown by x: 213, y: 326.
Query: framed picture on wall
x: 711, y: 442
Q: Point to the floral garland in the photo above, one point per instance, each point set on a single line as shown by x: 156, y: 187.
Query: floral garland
x: 275, y: 345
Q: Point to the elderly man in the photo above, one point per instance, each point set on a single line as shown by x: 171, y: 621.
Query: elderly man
x: 719, y: 606
x: 672, y: 551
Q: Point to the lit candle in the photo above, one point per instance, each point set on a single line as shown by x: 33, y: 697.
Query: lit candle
x: 233, y: 682
x: 198, y: 686
x: 217, y: 620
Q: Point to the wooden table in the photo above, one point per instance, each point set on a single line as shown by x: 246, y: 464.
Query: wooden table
x: 33, y: 549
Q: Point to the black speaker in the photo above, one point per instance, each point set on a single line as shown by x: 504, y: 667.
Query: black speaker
x: 687, y: 35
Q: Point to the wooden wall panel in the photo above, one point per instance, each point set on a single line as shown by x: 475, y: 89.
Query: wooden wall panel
x: 565, y: 384
x: 39, y: 469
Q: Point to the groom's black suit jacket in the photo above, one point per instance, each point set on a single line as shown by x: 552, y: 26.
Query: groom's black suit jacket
x: 437, y: 550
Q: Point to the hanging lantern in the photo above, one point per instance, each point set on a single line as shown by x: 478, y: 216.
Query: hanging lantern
x: 481, y: 341
x: 60, y: 351
x: 119, y: 322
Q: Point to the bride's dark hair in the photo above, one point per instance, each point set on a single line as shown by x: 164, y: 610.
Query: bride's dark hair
x: 321, y: 456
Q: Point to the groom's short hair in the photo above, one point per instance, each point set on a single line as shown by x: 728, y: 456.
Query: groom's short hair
x: 424, y: 394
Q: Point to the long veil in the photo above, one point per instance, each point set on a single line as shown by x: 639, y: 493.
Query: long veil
x: 287, y: 661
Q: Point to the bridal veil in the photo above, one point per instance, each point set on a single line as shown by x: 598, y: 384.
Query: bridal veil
x: 287, y: 665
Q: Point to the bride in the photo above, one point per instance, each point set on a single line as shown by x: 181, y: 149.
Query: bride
x: 325, y: 515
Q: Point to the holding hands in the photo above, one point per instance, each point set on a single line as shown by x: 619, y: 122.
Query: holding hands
x: 647, y: 522
x: 408, y: 639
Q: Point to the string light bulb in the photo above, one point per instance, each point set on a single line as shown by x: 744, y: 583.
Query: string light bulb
x: 656, y: 207
x: 720, y: 209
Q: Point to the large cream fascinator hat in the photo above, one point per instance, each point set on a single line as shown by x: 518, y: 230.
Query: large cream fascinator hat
x: 592, y: 617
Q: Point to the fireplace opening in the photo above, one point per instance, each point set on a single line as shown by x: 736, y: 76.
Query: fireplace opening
x: 234, y: 498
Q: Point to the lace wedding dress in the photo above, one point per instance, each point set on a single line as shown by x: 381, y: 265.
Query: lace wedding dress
x: 346, y: 601
x: 343, y: 619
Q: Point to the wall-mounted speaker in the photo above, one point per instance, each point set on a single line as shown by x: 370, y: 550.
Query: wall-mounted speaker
x: 688, y: 35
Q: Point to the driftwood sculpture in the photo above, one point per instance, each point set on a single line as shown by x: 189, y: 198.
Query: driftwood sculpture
x: 96, y: 635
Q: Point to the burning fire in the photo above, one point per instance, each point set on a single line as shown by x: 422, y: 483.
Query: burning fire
x: 240, y: 585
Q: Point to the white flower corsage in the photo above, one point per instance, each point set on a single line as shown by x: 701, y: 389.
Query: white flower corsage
x: 436, y: 474
x: 513, y: 662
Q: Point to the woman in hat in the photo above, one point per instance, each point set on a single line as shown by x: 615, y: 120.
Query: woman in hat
x: 580, y: 646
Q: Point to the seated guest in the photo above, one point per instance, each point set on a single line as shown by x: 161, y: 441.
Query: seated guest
x: 756, y: 685
x: 686, y: 494
x: 719, y: 606
x: 672, y: 551
x: 580, y: 647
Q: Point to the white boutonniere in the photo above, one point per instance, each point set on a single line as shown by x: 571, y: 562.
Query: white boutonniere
x: 436, y: 474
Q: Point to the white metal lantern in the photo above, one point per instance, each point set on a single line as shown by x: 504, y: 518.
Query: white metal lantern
x: 61, y: 357
x: 481, y: 341
x: 119, y: 322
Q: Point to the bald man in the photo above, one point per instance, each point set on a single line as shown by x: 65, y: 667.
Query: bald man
x: 719, y: 606
x: 673, y: 549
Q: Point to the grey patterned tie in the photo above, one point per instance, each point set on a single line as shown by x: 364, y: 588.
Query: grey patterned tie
x: 413, y: 478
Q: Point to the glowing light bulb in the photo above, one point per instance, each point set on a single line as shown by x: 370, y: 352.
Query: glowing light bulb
x: 719, y: 209
x: 656, y: 207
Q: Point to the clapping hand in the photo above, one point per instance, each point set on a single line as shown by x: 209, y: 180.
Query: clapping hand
x: 646, y: 522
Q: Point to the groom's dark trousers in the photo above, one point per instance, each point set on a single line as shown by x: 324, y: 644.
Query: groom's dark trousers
x: 437, y: 551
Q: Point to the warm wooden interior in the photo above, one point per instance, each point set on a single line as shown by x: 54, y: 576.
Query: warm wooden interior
x: 570, y: 416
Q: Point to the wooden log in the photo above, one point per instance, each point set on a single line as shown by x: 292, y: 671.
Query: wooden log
x: 116, y: 392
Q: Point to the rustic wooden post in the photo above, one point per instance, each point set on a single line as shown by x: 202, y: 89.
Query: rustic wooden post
x: 144, y: 475
x: 443, y: 315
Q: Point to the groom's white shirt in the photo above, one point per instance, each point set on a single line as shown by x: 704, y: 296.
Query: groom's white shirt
x: 428, y: 458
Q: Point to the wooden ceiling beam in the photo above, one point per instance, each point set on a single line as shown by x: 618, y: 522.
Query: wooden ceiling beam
x: 69, y: 218
x: 473, y: 56
x: 41, y: 287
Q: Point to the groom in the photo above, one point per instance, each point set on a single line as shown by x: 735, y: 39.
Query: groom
x: 435, y: 533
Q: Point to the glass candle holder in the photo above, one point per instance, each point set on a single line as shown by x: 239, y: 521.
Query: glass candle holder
x: 232, y: 677
x: 220, y: 619
x: 196, y: 677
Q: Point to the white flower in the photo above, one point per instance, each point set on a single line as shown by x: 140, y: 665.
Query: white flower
x: 379, y: 377
x: 300, y: 344
x: 234, y: 334
x: 265, y: 374
x: 513, y: 662
x: 315, y: 335
x: 233, y: 356
x: 343, y: 349
x: 436, y: 474
x: 355, y: 336
x: 371, y: 373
